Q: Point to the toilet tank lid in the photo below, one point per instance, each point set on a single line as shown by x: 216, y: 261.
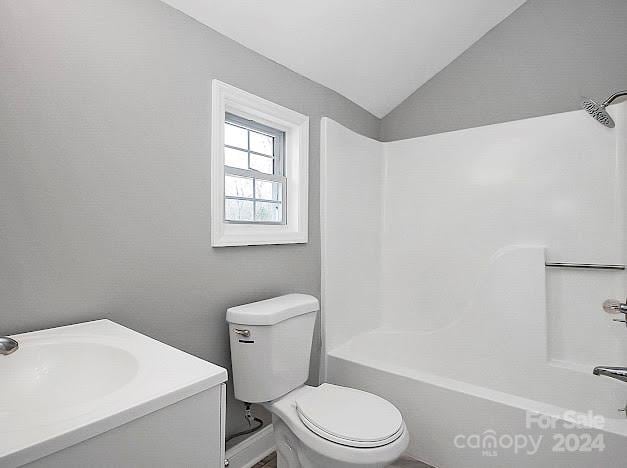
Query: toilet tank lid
x: 273, y: 310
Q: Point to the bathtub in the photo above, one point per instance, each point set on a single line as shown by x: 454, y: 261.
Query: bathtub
x: 457, y: 423
x: 483, y: 391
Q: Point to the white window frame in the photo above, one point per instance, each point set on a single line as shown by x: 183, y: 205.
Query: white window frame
x: 226, y: 98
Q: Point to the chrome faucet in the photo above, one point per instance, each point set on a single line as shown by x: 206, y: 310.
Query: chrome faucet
x: 619, y: 373
x: 7, y: 345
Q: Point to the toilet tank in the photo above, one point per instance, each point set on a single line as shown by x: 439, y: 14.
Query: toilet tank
x: 271, y: 345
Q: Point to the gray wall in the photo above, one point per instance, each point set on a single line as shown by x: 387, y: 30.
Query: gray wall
x: 104, y: 173
x: 538, y: 61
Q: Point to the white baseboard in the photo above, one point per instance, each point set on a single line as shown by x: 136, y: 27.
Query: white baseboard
x: 251, y: 450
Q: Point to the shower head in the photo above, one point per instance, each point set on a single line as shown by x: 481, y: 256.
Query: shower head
x: 598, y: 111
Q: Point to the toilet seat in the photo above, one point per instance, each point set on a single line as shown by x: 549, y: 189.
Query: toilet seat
x: 349, y: 417
x: 284, y: 413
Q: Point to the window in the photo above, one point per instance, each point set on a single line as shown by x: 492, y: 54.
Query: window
x: 259, y: 170
x: 254, y: 181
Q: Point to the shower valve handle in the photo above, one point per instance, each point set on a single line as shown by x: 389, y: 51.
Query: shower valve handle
x: 614, y: 306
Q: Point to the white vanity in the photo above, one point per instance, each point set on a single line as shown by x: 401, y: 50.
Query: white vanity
x: 100, y: 394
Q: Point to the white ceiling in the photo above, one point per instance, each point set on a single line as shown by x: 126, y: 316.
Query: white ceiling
x: 374, y: 52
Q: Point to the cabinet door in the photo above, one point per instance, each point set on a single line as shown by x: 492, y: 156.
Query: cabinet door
x: 189, y: 433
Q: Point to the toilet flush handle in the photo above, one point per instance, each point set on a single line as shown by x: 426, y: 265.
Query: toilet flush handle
x: 242, y: 332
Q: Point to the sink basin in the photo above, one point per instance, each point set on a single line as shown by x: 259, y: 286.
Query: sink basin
x: 68, y: 384
x: 44, y: 378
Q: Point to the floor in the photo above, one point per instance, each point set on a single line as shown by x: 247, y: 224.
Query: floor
x: 406, y: 462
x: 268, y: 462
x: 403, y: 462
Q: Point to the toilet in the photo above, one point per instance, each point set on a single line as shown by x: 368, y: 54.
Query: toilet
x: 325, y: 426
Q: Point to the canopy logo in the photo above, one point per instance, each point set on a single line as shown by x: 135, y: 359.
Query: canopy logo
x: 489, y: 443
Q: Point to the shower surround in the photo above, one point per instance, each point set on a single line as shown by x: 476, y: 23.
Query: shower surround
x: 442, y: 304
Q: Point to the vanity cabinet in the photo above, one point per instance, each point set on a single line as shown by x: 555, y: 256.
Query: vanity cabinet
x: 100, y: 395
x: 187, y: 434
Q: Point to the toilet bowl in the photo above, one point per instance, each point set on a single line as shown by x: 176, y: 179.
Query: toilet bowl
x: 327, y: 426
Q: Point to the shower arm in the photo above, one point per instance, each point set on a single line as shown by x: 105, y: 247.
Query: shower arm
x: 613, y: 97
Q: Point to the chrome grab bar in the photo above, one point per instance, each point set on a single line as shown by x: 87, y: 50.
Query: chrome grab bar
x: 590, y: 266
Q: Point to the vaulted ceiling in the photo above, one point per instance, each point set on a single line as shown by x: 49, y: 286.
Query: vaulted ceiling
x: 374, y: 52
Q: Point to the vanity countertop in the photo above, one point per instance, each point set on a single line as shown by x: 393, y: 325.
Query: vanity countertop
x: 64, y: 385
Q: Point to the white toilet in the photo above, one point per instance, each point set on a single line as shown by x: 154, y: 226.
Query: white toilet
x: 326, y: 426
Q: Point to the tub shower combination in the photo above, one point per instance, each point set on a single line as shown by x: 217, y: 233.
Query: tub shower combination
x: 471, y: 294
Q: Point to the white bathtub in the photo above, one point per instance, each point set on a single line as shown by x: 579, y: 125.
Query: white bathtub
x: 454, y: 419
x: 483, y: 376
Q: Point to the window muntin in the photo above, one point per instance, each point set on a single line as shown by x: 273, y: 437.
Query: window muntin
x: 255, y: 184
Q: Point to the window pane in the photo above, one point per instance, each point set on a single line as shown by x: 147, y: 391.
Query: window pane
x: 268, y: 190
x: 238, y: 210
x: 238, y: 186
x: 236, y: 158
x: 261, y: 143
x: 262, y: 163
x: 269, y: 212
x: 235, y: 136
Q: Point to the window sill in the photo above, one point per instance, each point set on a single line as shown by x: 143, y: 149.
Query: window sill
x: 233, y: 235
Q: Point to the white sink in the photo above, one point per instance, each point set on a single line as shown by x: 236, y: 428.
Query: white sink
x: 46, y: 378
x: 69, y: 383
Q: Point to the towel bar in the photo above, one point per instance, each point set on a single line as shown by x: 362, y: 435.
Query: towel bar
x: 591, y: 266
